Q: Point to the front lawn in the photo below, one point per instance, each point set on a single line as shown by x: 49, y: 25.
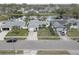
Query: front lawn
x: 47, y: 33
x: 44, y: 32
x: 73, y: 33
x: 4, y: 17
x: 52, y: 52
x: 18, y: 32
x: 6, y: 52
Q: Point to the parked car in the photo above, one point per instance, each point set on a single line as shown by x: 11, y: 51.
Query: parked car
x: 11, y: 41
x: 78, y: 41
x: 62, y: 33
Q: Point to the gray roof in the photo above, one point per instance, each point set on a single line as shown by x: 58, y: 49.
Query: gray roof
x: 77, y: 21
x: 14, y: 22
x: 57, y: 25
x: 63, y: 22
x: 35, y: 23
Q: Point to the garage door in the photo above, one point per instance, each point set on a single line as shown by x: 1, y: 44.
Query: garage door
x: 4, y: 29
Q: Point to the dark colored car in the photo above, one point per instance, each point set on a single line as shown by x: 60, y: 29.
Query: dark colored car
x: 78, y: 41
x: 62, y: 33
x: 11, y: 40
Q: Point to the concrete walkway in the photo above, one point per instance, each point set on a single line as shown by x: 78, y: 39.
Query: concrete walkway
x: 32, y: 36
x: 3, y: 34
x: 30, y: 52
x: 72, y: 52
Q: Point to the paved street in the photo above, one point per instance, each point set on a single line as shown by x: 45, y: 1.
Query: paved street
x: 37, y: 45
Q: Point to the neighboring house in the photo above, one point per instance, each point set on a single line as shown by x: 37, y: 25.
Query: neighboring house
x: 34, y: 24
x: 59, y: 25
x: 49, y: 19
x: 31, y: 11
x: 33, y: 17
x: 75, y: 24
x: 7, y: 25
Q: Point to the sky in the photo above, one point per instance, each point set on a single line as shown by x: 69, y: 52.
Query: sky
x: 40, y: 1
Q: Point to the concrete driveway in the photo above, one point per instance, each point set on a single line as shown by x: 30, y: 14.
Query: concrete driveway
x: 3, y: 34
x: 63, y: 37
x: 32, y: 36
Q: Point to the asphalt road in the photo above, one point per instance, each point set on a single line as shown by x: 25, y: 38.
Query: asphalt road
x: 38, y: 44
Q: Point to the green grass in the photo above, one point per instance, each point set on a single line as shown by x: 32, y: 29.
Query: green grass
x: 5, y: 52
x: 47, y: 34
x: 44, y: 32
x: 52, y: 52
x: 19, y: 52
x: 47, y: 14
x: 18, y: 32
x: 3, y: 17
x: 41, y: 14
x: 73, y: 32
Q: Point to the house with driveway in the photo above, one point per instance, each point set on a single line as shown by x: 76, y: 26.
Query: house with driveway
x: 74, y: 23
x: 35, y: 24
x: 7, y: 25
x: 59, y: 25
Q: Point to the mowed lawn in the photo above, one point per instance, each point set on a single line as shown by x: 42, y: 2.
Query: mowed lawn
x: 9, y: 52
x: 52, y: 52
x: 73, y: 32
x: 44, y: 32
x: 47, y: 34
x: 4, y: 17
x: 18, y: 32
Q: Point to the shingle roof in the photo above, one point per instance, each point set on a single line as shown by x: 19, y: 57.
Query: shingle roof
x: 14, y: 22
x: 57, y: 25
x: 35, y: 23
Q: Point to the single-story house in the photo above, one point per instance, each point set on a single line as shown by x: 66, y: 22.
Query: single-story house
x: 74, y: 23
x: 34, y: 24
x: 31, y: 11
x: 59, y: 25
x: 7, y: 25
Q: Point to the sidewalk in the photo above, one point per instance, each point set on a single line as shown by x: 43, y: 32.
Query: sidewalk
x: 30, y: 52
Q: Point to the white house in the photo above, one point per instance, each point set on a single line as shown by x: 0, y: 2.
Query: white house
x: 7, y: 25
x: 59, y: 25
x: 34, y: 24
